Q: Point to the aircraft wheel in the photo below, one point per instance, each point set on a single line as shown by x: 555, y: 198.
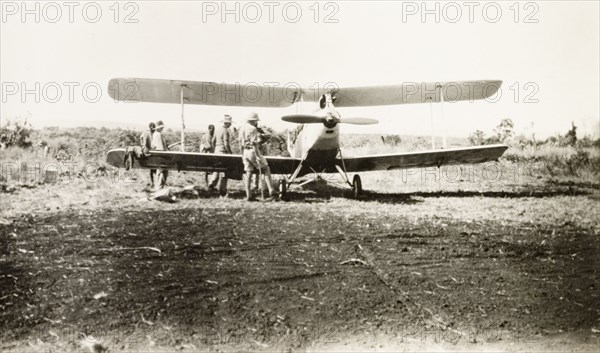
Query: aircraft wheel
x: 283, y: 190
x: 356, y: 186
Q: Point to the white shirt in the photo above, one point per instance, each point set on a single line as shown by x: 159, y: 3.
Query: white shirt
x: 158, y: 142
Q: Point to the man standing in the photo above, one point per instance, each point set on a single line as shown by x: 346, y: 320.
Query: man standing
x: 146, y: 143
x: 206, y: 142
x: 206, y: 146
x: 250, y: 139
x: 221, y: 141
x: 159, y: 143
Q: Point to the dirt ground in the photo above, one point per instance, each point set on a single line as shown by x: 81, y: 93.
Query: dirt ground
x: 511, y: 269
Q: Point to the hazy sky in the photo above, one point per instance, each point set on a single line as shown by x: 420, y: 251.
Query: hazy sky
x: 547, y: 54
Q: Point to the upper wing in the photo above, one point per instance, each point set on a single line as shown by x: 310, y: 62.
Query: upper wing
x: 414, y: 92
x: 465, y: 155
x: 199, y: 92
x: 192, y: 161
x: 255, y: 95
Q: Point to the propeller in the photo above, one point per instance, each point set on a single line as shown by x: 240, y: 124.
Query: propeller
x: 303, y: 119
x: 359, y: 121
x: 313, y: 119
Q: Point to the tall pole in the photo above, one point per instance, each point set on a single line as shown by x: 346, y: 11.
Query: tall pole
x: 182, y: 123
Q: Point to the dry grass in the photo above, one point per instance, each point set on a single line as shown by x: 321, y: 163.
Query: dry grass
x: 247, y: 268
x: 77, y: 176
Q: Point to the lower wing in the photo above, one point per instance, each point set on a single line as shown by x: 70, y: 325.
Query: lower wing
x: 465, y: 155
x: 198, y: 162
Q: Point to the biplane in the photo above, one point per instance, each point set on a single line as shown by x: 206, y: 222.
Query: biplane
x: 316, y: 148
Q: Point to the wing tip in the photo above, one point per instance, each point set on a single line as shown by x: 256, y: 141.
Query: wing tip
x: 491, y: 87
x: 110, y: 88
x: 124, y: 89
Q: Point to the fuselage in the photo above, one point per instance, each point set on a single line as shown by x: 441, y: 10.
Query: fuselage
x: 317, y: 144
x: 315, y: 137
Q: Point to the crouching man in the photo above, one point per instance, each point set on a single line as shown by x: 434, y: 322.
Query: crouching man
x: 253, y: 160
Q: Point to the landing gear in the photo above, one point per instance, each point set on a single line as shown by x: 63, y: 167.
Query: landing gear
x: 356, y: 187
x: 283, y: 190
x: 356, y: 183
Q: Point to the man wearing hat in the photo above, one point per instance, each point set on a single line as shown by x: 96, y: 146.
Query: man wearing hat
x: 221, y: 141
x: 253, y: 160
x: 146, y: 143
x: 160, y: 144
x: 206, y: 146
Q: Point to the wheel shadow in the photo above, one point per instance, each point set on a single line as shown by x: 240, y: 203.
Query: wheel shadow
x: 321, y: 191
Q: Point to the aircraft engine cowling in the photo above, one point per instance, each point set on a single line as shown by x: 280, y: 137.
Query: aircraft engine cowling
x: 331, y: 120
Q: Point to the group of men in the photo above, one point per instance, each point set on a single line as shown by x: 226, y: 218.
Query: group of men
x: 253, y: 142
x: 154, y: 140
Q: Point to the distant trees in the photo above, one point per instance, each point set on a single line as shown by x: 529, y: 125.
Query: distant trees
x: 128, y: 138
x: 477, y: 138
x: 505, y: 130
x: 16, y: 133
x: 277, y: 143
x: 505, y: 133
x: 570, y: 138
x: 392, y: 140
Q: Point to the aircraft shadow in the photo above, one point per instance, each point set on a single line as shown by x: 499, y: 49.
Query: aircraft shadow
x: 502, y: 194
x: 320, y: 192
x: 326, y: 191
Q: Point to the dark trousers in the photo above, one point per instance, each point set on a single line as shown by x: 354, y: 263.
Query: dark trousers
x: 216, y: 177
x: 152, y: 175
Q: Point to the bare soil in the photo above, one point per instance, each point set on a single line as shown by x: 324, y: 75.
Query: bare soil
x: 514, y: 270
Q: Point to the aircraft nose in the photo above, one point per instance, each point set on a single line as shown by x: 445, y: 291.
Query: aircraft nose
x: 330, y: 122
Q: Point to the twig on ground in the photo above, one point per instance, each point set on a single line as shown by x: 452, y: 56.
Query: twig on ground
x: 146, y: 321
x: 136, y: 248
x: 353, y: 261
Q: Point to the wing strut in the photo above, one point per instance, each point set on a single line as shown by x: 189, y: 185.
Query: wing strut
x: 443, y: 121
x: 432, y: 125
x: 342, y: 169
x: 182, y: 121
x: 294, y: 175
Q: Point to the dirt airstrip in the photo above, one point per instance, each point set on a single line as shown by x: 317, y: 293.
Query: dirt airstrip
x: 392, y: 271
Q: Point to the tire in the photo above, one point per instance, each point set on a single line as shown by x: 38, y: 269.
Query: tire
x: 356, y: 187
x: 283, y: 190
